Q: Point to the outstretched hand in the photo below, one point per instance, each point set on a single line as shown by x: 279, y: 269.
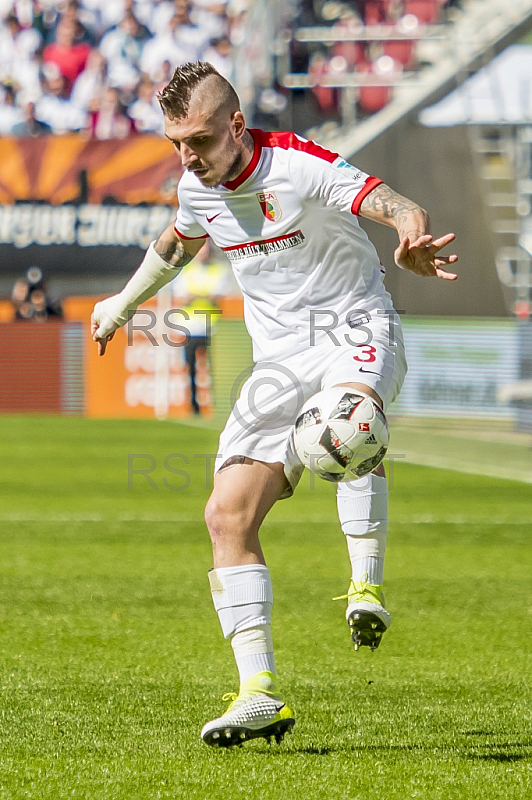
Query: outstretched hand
x: 420, y: 256
x: 102, y: 341
x: 103, y: 327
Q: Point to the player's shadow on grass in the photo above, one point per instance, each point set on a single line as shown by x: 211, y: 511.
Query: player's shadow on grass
x: 500, y: 757
x: 499, y: 753
x: 308, y: 751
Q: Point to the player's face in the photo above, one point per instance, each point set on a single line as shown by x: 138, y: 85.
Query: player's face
x: 209, y: 146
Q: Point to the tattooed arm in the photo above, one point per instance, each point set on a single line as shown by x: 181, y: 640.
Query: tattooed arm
x: 417, y: 249
x: 164, y: 259
x: 176, y: 251
x: 386, y: 206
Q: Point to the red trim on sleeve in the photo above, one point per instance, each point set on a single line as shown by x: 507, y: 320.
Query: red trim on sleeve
x: 190, y: 238
x: 368, y: 187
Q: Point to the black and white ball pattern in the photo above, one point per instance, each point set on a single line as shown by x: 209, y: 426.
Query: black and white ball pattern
x: 341, y: 435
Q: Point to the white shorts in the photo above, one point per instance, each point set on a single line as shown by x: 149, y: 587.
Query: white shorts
x: 371, y: 351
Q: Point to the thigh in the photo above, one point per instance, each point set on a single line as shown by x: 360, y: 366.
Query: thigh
x: 248, y: 488
x: 244, y: 491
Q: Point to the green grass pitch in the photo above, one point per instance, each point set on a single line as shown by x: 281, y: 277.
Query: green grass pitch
x: 112, y: 658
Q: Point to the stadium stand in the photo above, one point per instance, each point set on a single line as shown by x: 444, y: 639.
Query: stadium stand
x: 95, y: 67
x: 386, y: 56
x: 65, y: 64
x: 445, y: 55
x: 370, y: 46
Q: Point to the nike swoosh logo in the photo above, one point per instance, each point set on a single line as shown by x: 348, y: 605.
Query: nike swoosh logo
x: 280, y: 708
x: 361, y: 369
x: 210, y: 219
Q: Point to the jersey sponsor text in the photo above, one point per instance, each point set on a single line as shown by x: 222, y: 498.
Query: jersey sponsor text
x: 265, y: 247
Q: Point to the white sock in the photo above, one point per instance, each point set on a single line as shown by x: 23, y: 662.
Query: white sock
x: 363, y: 512
x: 364, y: 568
x: 243, y: 598
x: 253, y: 649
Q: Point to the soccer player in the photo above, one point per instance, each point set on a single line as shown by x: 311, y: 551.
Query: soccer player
x: 284, y: 210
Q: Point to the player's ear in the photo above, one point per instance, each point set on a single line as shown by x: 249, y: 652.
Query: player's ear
x: 239, y: 124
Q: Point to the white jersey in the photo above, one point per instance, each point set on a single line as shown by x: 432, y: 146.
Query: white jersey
x: 289, y: 226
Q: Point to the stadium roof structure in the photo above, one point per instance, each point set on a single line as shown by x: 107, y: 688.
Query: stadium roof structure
x: 500, y: 93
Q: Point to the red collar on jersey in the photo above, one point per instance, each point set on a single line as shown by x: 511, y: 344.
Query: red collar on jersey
x: 244, y: 175
x: 286, y: 141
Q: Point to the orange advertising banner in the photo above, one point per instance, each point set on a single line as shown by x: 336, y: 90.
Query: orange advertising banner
x: 75, y: 206
x: 60, y: 169
x: 143, y: 372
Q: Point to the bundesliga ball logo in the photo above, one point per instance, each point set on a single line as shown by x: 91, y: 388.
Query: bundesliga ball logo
x: 341, y: 435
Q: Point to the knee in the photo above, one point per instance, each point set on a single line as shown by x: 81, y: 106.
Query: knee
x: 213, y: 515
x: 221, y: 519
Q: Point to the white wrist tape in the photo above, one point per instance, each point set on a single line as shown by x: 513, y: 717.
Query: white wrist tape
x: 153, y: 273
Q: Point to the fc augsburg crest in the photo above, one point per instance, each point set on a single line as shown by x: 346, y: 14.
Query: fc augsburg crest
x: 270, y: 205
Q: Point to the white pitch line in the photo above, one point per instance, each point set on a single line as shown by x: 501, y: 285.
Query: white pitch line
x: 447, y: 463
x: 68, y: 519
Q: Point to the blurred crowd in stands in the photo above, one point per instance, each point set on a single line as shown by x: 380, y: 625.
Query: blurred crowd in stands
x: 371, y: 12
x: 95, y: 66
x: 397, y: 27
x: 31, y: 301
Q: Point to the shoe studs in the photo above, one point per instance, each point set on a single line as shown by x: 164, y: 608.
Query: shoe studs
x: 279, y: 734
x: 277, y: 737
x: 232, y: 738
x: 366, y: 630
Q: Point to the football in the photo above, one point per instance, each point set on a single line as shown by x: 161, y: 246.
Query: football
x: 341, y: 434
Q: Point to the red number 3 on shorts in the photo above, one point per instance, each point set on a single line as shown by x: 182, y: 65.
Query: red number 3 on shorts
x: 369, y: 351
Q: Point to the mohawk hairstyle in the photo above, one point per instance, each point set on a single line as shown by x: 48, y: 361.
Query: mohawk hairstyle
x: 174, y: 99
